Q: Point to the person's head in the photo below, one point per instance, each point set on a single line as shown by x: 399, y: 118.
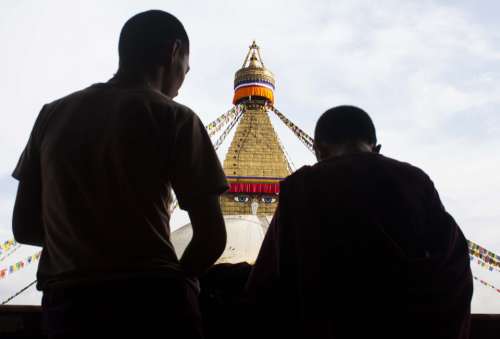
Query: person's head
x: 344, y: 129
x: 155, y: 43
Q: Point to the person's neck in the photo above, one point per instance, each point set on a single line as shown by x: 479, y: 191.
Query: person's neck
x: 347, y: 149
x: 128, y: 78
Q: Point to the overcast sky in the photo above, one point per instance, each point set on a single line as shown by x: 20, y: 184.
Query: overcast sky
x: 428, y: 72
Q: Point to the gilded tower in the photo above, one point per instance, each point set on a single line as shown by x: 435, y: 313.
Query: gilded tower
x: 255, y: 162
x: 254, y: 165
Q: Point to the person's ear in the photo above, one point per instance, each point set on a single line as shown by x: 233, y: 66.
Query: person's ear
x: 377, y: 148
x: 176, y: 50
x: 317, y: 151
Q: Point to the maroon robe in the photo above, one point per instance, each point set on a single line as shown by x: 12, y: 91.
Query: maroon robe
x: 362, y: 247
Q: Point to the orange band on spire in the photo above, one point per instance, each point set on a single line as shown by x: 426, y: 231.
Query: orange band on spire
x: 251, y: 91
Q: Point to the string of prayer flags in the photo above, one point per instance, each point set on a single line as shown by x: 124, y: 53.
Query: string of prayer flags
x: 483, y: 252
x: 487, y: 284
x: 7, y: 245
x: 4, y: 272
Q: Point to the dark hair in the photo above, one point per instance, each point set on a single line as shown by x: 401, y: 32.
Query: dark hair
x: 345, y: 124
x: 146, y: 38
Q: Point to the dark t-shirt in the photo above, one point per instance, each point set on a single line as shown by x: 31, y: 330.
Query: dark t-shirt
x: 361, y: 246
x: 107, y: 158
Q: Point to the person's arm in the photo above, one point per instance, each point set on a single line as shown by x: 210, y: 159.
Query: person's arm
x: 198, y: 180
x: 209, y: 236
x: 26, y: 220
x: 27, y: 224
x: 265, y: 272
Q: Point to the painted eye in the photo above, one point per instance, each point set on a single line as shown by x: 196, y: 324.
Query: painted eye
x: 268, y: 199
x: 241, y: 198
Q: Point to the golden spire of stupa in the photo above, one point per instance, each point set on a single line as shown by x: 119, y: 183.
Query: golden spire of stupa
x: 253, y: 79
x: 255, y: 162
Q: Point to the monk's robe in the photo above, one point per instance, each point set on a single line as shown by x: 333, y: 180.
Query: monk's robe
x: 362, y: 247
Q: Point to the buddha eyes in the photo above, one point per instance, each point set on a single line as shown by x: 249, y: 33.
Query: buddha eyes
x: 241, y: 198
x: 268, y: 199
x: 245, y: 198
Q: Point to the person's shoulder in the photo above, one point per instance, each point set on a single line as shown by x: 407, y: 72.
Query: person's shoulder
x: 67, y: 97
x: 162, y: 107
x: 367, y: 162
x: 50, y: 107
x: 84, y: 93
x: 401, y: 164
x: 183, y: 112
x: 297, y: 177
x: 403, y: 167
x: 161, y: 104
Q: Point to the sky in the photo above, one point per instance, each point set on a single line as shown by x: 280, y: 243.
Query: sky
x: 428, y: 72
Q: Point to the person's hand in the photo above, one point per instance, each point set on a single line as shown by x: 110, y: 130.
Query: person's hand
x: 194, y: 283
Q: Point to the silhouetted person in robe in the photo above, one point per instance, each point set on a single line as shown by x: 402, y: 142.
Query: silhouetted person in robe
x: 94, y: 191
x: 361, y: 246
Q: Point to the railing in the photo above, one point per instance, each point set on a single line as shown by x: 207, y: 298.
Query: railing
x: 26, y: 322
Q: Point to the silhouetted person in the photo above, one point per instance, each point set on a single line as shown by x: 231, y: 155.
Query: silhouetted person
x: 95, y: 186
x: 361, y: 247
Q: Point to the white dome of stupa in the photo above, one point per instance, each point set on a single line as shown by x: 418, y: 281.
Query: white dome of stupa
x: 245, y: 234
